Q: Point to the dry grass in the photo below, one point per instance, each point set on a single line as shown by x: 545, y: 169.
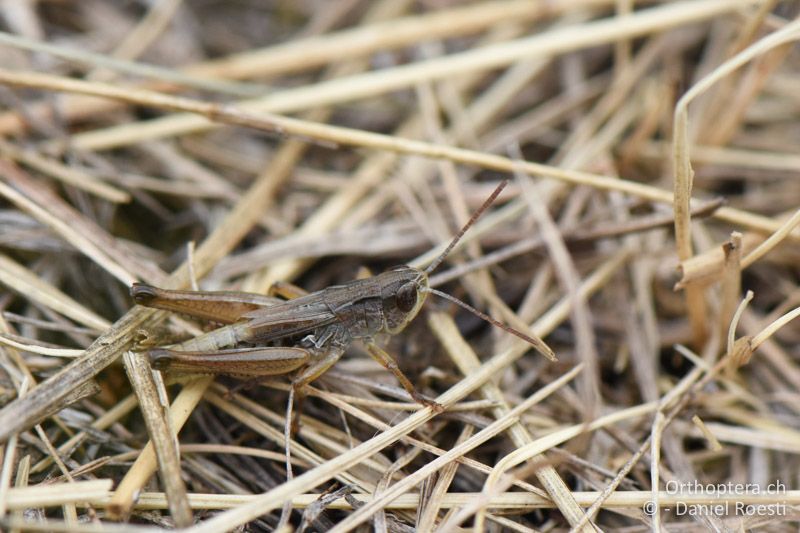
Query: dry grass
x: 130, y: 134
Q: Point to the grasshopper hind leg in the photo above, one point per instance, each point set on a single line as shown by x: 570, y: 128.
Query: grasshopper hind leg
x: 286, y: 290
x: 238, y: 362
x: 325, y: 360
x: 225, y: 307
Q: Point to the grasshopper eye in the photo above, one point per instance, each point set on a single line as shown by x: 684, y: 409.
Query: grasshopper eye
x: 406, y: 297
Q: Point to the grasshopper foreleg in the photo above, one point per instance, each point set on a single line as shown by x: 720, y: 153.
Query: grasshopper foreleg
x: 390, y: 364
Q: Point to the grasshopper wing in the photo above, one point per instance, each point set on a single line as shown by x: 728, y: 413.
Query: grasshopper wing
x: 289, y: 319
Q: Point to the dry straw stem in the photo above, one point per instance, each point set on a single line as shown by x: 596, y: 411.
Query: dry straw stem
x: 96, y: 493
x: 113, y: 415
x: 568, y: 277
x: 248, y: 413
x: 730, y: 156
x: 411, y: 480
x: 480, y: 282
x: 596, y: 232
x: 58, y: 494
x: 56, y: 526
x: 162, y: 436
x: 470, y: 119
x: 770, y: 330
x: 68, y: 233
x: 708, y: 265
x: 20, y: 279
x: 773, y: 352
x: 300, y: 54
x: 78, y: 229
x: 76, y: 109
x: 305, y: 54
x: 777, y: 438
x: 24, y: 412
x: 467, y: 362
x: 238, y: 450
x: 21, y: 481
x: 68, y: 175
x: 656, y: 431
x: 709, y: 436
x: 9, y: 455
x: 731, y: 281
x: 41, y: 350
x: 558, y: 437
x: 154, y: 22
x: 289, y: 155
x: 674, y: 401
x: 468, y: 406
x: 348, y: 136
x: 378, y: 424
x: 678, y: 393
x: 611, y: 488
x: 696, y: 303
x: 513, y: 458
x: 547, y: 44
x: 772, y: 241
x: 435, y: 488
x: 147, y: 461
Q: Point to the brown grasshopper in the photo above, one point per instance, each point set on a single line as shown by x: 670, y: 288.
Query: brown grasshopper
x: 318, y: 327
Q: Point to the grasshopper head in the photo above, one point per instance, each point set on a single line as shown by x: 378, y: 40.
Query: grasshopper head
x: 403, y: 291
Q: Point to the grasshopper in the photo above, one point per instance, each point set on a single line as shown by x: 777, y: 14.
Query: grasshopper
x: 316, y: 327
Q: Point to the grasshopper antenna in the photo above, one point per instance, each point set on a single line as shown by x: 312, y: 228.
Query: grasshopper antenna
x: 438, y: 261
x: 536, y: 342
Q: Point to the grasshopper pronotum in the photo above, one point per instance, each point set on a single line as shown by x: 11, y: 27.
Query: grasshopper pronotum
x: 316, y: 327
